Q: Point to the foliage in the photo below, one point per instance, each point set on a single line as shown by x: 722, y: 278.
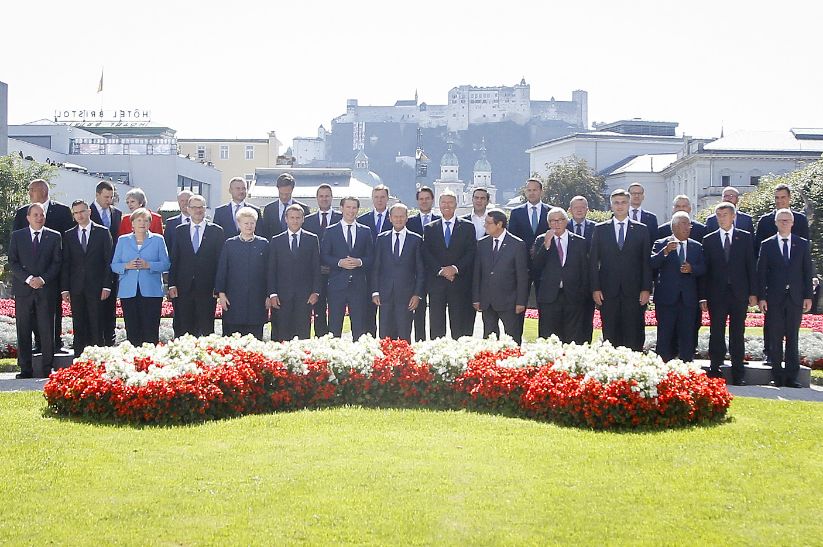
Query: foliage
x: 807, y: 196
x: 570, y: 177
x: 15, y: 175
x: 397, y: 476
x: 598, y: 216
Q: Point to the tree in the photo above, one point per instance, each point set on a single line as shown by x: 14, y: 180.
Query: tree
x: 15, y: 175
x: 807, y: 196
x: 571, y: 177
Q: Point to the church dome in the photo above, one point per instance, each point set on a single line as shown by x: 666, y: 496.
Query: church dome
x: 482, y: 165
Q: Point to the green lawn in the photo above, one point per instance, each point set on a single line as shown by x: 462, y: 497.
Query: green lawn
x: 410, y: 477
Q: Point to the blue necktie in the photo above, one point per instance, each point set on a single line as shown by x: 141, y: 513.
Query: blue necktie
x: 379, y: 224
x: 106, y: 218
x: 681, y: 254
x: 195, y: 242
x: 448, y: 232
x: 534, y: 219
x: 35, y: 244
x: 621, y: 237
x: 294, y: 244
x: 83, y: 241
x: 786, y: 249
x: 425, y: 219
x: 578, y: 230
x: 349, y: 239
x: 397, y: 245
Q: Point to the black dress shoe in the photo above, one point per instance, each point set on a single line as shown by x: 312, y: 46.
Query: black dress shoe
x: 739, y: 382
x: 776, y: 383
x: 794, y: 384
x: 714, y: 373
x: 24, y: 375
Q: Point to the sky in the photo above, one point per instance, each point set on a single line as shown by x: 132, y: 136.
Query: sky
x: 240, y: 69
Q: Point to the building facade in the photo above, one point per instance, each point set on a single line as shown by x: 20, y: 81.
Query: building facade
x: 232, y: 157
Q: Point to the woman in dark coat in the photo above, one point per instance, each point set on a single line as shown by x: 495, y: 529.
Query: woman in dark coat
x: 241, y: 279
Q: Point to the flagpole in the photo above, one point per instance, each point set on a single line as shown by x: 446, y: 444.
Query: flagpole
x: 100, y: 88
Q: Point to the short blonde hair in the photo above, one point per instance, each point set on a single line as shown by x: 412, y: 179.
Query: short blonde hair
x: 140, y: 212
x: 246, y: 212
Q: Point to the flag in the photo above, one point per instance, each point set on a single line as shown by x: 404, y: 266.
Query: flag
x: 100, y: 85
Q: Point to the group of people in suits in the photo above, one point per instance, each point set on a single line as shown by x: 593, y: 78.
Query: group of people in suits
x: 291, y: 268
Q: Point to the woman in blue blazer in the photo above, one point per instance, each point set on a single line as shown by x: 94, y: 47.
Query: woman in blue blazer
x: 140, y: 259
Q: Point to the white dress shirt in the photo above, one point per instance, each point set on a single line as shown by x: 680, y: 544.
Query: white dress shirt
x: 479, y: 225
x: 616, y: 224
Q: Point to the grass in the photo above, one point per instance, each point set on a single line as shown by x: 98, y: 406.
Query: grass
x: 410, y: 477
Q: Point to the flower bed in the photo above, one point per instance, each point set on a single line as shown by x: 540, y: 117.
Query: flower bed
x: 191, y: 380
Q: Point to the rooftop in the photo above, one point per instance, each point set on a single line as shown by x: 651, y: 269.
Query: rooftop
x: 794, y: 140
x: 646, y: 163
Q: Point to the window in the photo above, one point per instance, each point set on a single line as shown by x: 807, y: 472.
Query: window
x: 201, y: 152
x: 224, y: 151
x: 249, y: 151
x: 755, y: 180
x: 726, y: 180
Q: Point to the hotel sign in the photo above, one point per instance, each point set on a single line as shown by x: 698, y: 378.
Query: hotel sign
x: 99, y: 117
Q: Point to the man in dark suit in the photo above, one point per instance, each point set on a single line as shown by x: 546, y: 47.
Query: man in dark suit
x: 317, y: 223
x: 742, y: 221
x: 173, y: 222
x: 637, y: 193
x: 59, y: 219
x: 397, y: 275
x: 767, y: 227
x: 86, y: 276
x: 35, y: 254
x: 378, y: 222
x: 621, y: 278
x: 225, y: 215
x: 195, y: 256
x: 581, y: 226
x: 416, y: 224
x: 105, y: 214
x: 729, y: 285
x: 348, y: 251
x: 678, y: 263
x: 294, y: 276
x: 785, y: 293
x: 529, y: 220
x: 500, y: 288
x: 449, y: 247
x: 684, y: 204
x: 480, y: 204
x: 274, y: 219
x: 560, y: 260
x: 168, y: 234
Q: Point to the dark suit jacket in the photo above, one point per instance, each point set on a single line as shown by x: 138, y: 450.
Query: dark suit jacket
x: 698, y: 231
x: 46, y: 264
x: 650, y: 220
x: 225, y: 219
x: 460, y: 253
x: 367, y: 219
x: 774, y: 274
x: 588, y: 231
x: 190, y: 272
x: 739, y: 272
x: 116, y: 216
x: 615, y: 271
x: 294, y: 276
x: 766, y: 228
x: 271, y: 218
x: 58, y: 217
x: 335, y: 248
x: 742, y: 221
x: 520, y: 222
x: 574, y: 273
x: 415, y: 223
x: 169, y: 232
x: 87, y: 272
x: 312, y: 222
x: 669, y: 282
x: 501, y: 282
x: 398, y: 278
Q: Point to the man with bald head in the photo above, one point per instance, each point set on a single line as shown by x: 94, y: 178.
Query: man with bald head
x: 35, y: 254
